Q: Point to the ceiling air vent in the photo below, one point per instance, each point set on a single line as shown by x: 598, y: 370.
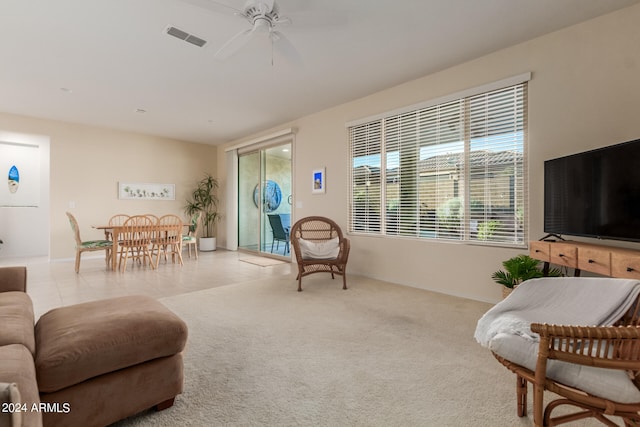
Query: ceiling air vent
x: 183, y: 35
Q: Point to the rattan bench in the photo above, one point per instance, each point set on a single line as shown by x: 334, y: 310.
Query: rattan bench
x: 611, y: 347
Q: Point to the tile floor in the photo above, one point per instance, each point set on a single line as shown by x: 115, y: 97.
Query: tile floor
x: 54, y: 284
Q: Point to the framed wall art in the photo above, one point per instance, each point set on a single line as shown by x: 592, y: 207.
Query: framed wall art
x: 319, y: 181
x: 143, y: 191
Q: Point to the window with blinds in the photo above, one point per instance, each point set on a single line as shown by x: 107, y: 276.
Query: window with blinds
x: 451, y: 171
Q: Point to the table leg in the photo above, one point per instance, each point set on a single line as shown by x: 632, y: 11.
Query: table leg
x: 114, y: 249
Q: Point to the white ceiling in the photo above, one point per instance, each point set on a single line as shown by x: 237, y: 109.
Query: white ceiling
x: 113, y: 57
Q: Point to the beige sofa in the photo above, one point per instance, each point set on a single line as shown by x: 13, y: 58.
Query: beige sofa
x: 87, y: 364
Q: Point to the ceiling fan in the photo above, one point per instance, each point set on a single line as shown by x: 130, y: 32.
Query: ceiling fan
x: 263, y: 17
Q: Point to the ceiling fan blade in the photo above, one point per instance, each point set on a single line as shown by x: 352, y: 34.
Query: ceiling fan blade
x: 285, y: 47
x: 234, y: 44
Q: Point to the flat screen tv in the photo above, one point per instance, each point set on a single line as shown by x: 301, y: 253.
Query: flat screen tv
x: 595, y: 193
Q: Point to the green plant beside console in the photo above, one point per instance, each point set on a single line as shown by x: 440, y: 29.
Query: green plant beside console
x: 518, y: 269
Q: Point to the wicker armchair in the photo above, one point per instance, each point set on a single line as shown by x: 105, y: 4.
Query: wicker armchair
x: 611, y: 347
x: 319, y: 247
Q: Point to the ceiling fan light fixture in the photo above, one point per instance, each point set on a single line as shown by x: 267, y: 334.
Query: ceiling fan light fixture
x: 261, y: 25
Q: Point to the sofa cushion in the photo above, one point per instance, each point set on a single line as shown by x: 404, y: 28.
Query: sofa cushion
x: 82, y: 341
x: 16, y: 318
x: 10, y: 412
x: 13, y: 279
x: 17, y: 367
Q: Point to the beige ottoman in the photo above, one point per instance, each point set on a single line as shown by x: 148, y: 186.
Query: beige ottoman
x: 103, y: 361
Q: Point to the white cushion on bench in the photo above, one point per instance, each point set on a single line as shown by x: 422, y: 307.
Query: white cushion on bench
x: 327, y: 249
x: 505, y: 328
x: 610, y: 384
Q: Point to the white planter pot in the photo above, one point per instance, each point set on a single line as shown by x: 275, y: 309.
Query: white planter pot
x: 207, y: 244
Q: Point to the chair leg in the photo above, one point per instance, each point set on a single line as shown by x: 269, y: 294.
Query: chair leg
x: 538, y: 405
x: 146, y: 255
x: 124, y: 253
x: 78, y: 261
x: 521, y: 396
x: 157, y: 263
x: 178, y: 251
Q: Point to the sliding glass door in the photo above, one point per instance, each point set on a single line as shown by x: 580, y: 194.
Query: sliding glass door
x: 248, y: 215
x: 264, y: 200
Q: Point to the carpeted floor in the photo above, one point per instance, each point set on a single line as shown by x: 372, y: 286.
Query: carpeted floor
x: 261, y: 354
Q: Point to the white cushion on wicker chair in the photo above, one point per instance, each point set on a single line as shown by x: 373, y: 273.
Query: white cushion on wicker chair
x: 609, y: 384
x: 326, y: 249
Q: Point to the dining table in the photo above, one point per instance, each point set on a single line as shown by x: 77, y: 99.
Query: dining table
x: 112, y: 232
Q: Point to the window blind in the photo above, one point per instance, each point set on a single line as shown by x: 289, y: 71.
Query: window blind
x: 366, y: 189
x: 452, y: 171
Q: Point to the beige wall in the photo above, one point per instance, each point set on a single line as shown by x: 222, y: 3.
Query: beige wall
x: 585, y: 93
x: 86, y: 164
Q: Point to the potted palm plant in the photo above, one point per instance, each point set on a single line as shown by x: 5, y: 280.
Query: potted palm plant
x: 205, y: 201
x: 518, y: 269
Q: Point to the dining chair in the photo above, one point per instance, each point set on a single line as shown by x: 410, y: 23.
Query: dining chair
x: 115, y: 220
x: 135, y: 240
x: 190, y: 239
x: 280, y: 234
x: 168, y: 239
x: 153, y: 217
x: 118, y: 219
x: 88, y: 245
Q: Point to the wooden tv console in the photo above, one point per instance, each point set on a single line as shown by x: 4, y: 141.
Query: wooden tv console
x: 604, y: 260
